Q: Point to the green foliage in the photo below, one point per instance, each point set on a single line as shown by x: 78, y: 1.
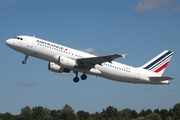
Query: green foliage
x: 148, y: 111
x: 140, y: 118
x: 153, y: 116
x: 110, y: 113
x: 83, y: 115
x: 176, y: 111
x: 142, y: 113
x: 56, y: 114
x: 26, y: 113
x: 7, y: 116
x: 170, y: 114
x: 164, y: 114
x: 133, y: 114
x: 68, y: 113
x: 157, y: 111
x: 126, y: 113
x: 37, y: 112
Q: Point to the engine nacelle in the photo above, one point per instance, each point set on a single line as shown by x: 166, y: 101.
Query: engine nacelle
x: 66, y: 62
x: 56, y: 68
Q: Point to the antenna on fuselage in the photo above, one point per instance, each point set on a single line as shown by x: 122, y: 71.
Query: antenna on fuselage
x: 33, y: 35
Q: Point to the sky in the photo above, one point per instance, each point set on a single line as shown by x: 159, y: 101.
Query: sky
x: 140, y: 28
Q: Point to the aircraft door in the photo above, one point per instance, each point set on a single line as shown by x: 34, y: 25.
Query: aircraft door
x: 30, y: 42
x: 137, y: 74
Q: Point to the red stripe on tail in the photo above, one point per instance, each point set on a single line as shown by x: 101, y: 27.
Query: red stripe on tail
x: 161, y: 68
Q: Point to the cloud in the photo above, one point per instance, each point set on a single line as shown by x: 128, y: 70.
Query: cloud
x: 89, y: 50
x: 162, y: 5
x: 26, y: 84
x: 92, y: 51
x: 176, y: 9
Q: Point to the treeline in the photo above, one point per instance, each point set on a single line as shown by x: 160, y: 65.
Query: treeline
x: 110, y: 113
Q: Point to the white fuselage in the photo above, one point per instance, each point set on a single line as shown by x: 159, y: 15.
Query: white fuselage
x: 49, y: 51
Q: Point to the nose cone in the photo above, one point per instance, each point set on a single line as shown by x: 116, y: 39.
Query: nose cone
x: 8, y: 42
x: 11, y: 43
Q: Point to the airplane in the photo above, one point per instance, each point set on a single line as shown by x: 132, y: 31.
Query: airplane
x: 65, y: 59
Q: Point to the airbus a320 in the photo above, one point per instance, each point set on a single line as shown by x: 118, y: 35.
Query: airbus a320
x: 65, y: 59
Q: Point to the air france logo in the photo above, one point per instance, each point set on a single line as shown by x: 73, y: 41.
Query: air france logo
x: 49, y: 44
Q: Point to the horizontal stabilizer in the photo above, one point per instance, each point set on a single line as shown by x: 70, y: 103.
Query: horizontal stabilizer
x: 160, y: 78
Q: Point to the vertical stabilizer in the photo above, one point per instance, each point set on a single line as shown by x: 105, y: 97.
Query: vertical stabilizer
x: 159, y: 63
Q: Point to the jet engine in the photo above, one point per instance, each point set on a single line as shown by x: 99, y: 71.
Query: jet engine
x: 56, y: 68
x: 66, y: 62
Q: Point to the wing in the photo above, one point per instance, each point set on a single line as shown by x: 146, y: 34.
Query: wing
x: 92, y: 61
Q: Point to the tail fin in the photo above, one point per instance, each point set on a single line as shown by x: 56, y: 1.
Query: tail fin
x: 159, y: 63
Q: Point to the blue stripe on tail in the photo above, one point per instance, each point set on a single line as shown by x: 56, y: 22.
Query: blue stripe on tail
x: 161, y: 62
x: 157, y: 60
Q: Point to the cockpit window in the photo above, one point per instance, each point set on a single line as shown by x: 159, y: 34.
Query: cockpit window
x: 19, y: 38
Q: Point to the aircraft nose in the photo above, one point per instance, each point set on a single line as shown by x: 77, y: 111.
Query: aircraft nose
x: 9, y: 42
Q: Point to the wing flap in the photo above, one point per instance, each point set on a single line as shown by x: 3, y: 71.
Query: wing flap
x: 162, y: 78
x: 90, y: 62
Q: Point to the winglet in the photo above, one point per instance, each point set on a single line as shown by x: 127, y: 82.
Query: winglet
x: 123, y: 55
x: 117, y: 56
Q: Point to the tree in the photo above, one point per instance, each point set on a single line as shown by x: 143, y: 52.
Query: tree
x: 56, y: 114
x: 46, y: 114
x: 110, y: 112
x: 133, y: 114
x: 126, y: 113
x: 142, y: 113
x: 140, y: 118
x: 7, y: 116
x: 157, y: 111
x: 91, y: 118
x: 176, y: 111
x: 37, y: 111
x: 82, y: 115
x: 170, y: 114
x: 26, y: 113
x: 153, y: 116
x: 148, y: 111
x: 96, y: 116
x: 48, y: 117
x: 68, y: 113
x: 164, y: 114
